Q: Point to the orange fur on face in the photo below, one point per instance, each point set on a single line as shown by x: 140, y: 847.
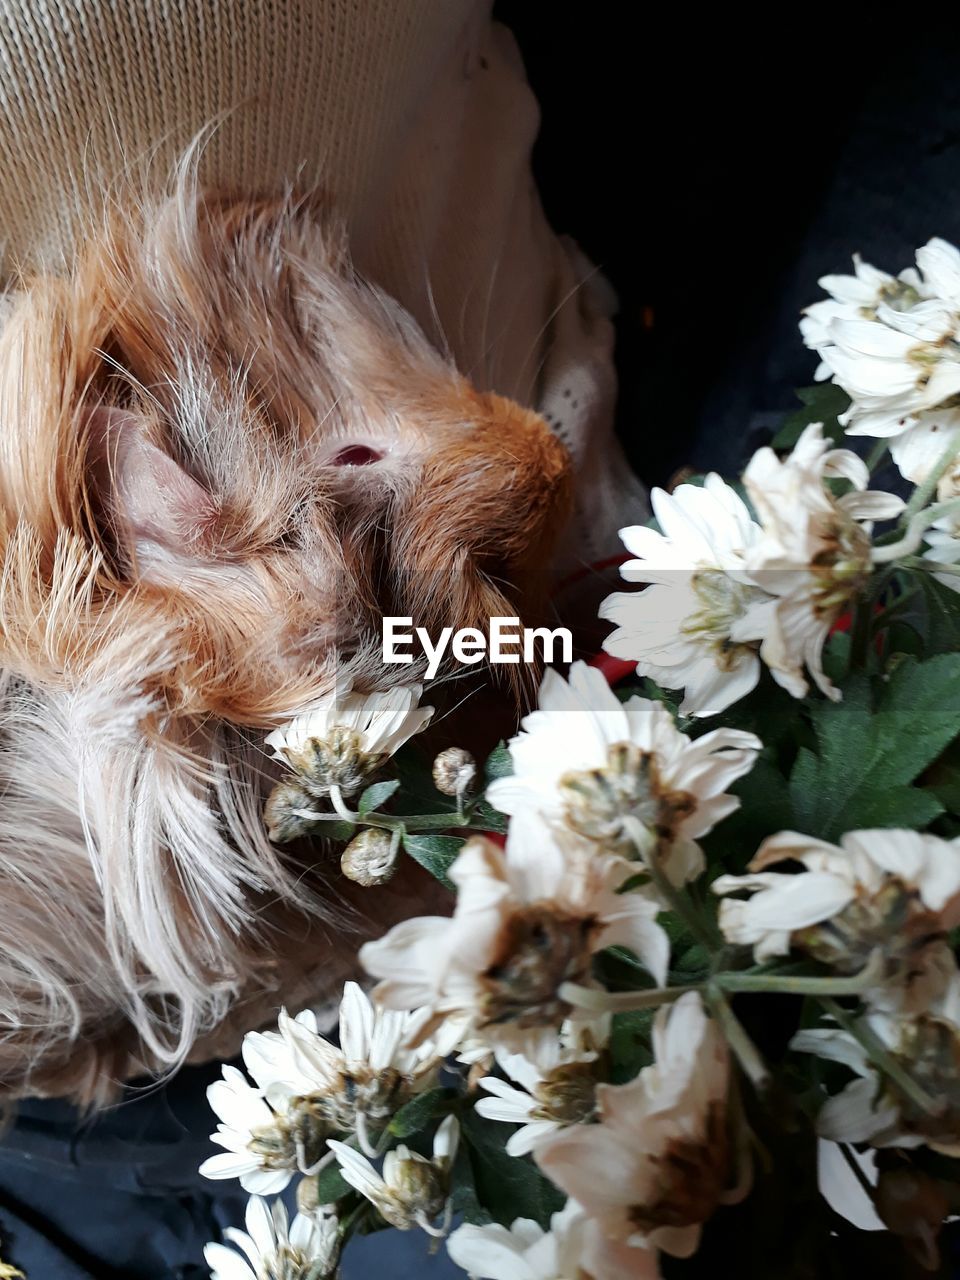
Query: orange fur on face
x: 222, y: 458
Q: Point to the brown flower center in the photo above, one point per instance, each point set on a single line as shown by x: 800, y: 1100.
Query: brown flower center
x: 596, y: 801
x: 538, y: 949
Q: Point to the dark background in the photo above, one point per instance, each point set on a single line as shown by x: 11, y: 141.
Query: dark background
x: 714, y: 169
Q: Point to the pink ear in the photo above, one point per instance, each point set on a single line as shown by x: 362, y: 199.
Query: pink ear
x: 149, y: 496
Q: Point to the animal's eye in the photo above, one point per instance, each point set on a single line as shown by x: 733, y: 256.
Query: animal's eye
x: 356, y: 455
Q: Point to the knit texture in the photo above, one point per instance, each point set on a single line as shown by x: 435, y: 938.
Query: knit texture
x: 413, y: 115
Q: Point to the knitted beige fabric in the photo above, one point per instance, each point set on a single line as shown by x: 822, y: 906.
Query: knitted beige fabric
x: 414, y: 115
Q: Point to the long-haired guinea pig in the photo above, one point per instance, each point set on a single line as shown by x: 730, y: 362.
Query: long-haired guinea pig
x: 223, y: 456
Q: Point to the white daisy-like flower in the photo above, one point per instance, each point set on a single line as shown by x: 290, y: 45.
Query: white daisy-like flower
x: 682, y: 631
x: 571, y: 1250
x: 556, y: 1090
x: 857, y: 297
x: 340, y: 741
x: 943, y: 537
x: 411, y: 1191
x: 814, y: 557
x: 897, y: 357
x: 308, y: 1090
x: 272, y: 1248
x: 260, y: 1145
x: 526, y: 921
x: 888, y: 889
x: 921, y: 1106
x: 603, y: 769
x: 663, y: 1156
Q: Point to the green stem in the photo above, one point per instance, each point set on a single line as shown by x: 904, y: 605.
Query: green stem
x: 388, y: 822
x: 882, y: 1058
x: 745, y: 1051
x: 912, y: 539
x: 621, y: 1001
x: 924, y: 491
x: 876, y: 455
x: 801, y: 986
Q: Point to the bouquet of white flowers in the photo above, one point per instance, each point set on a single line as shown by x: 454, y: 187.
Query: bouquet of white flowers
x: 699, y: 988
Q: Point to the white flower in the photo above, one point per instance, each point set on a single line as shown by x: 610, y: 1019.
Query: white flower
x: 896, y: 354
x: 526, y: 921
x: 308, y: 1090
x: 557, y: 1089
x: 259, y: 1147
x: 661, y: 1159
x: 571, y: 1250
x: 358, y: 1085
x: 599, y: 767
x: 921, y: 1105
x: 814, y: 556
x: 857, y: 297
x: 682, y: 631
x: 306, y: 1250
x: 890, y: 889
x: 341, y: 740
x: 943, y: 537
x: 412, y: 1190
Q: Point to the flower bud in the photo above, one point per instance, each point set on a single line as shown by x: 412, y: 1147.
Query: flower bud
x: 453, y: 771
x: 370, y: 858
x: 280, y: 813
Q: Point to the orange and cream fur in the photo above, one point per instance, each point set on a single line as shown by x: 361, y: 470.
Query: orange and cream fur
x: 223, y: 457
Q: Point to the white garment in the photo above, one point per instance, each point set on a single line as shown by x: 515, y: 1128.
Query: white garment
x: 414, y: 115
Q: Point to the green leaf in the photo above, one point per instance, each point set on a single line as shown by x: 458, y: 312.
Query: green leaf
x: 630, y: 1046
x: 375, y: 795
x: 421, y: 1111
x: 871, y: 748
x: 486, y: 818
x: 436, y: 853
x: 821, y: 403
x: 499, y: 763
x: 463, y: 1191
x: 508, y: 1187
x: 941, y: 631
x: 337, y: 830
x: 331, y: 1185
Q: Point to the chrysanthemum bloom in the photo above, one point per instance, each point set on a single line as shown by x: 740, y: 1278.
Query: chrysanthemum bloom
x: 526, y: 921
x: 814, y: 556
x: 571, y: 1250
x: 683, y: 630
x: 900, y: 363
x: 943, y: 537
x: 308, y: 1091
x: 602, y: 769
x: 662, y: 1157
x: 340, y: 742
x: 888, y: 889
x: 412, y: 1190
x: 272, y: 1249
x: 857, y: 297
x: 921, y: 1107
x: 558, y: 1089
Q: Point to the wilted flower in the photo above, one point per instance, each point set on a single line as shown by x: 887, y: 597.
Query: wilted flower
x: 309, y: 1249
x: 339, y: 742
x: 558, y: 1089
x: 526, y: 921
x: 684, y: 630
x: 920, y: 1104
x: 662, y: 1157
x: 602, y: 768
x: 814, y: 556
x: 370, y: 858
x: 412, y: 1190
x: 891, y: 889
x: 453, y: 771
x: 571, y: 1250
x: 350, y: 1089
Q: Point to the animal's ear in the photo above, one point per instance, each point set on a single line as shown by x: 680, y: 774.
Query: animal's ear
x: 149, y: 503
x: 475, y: 538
